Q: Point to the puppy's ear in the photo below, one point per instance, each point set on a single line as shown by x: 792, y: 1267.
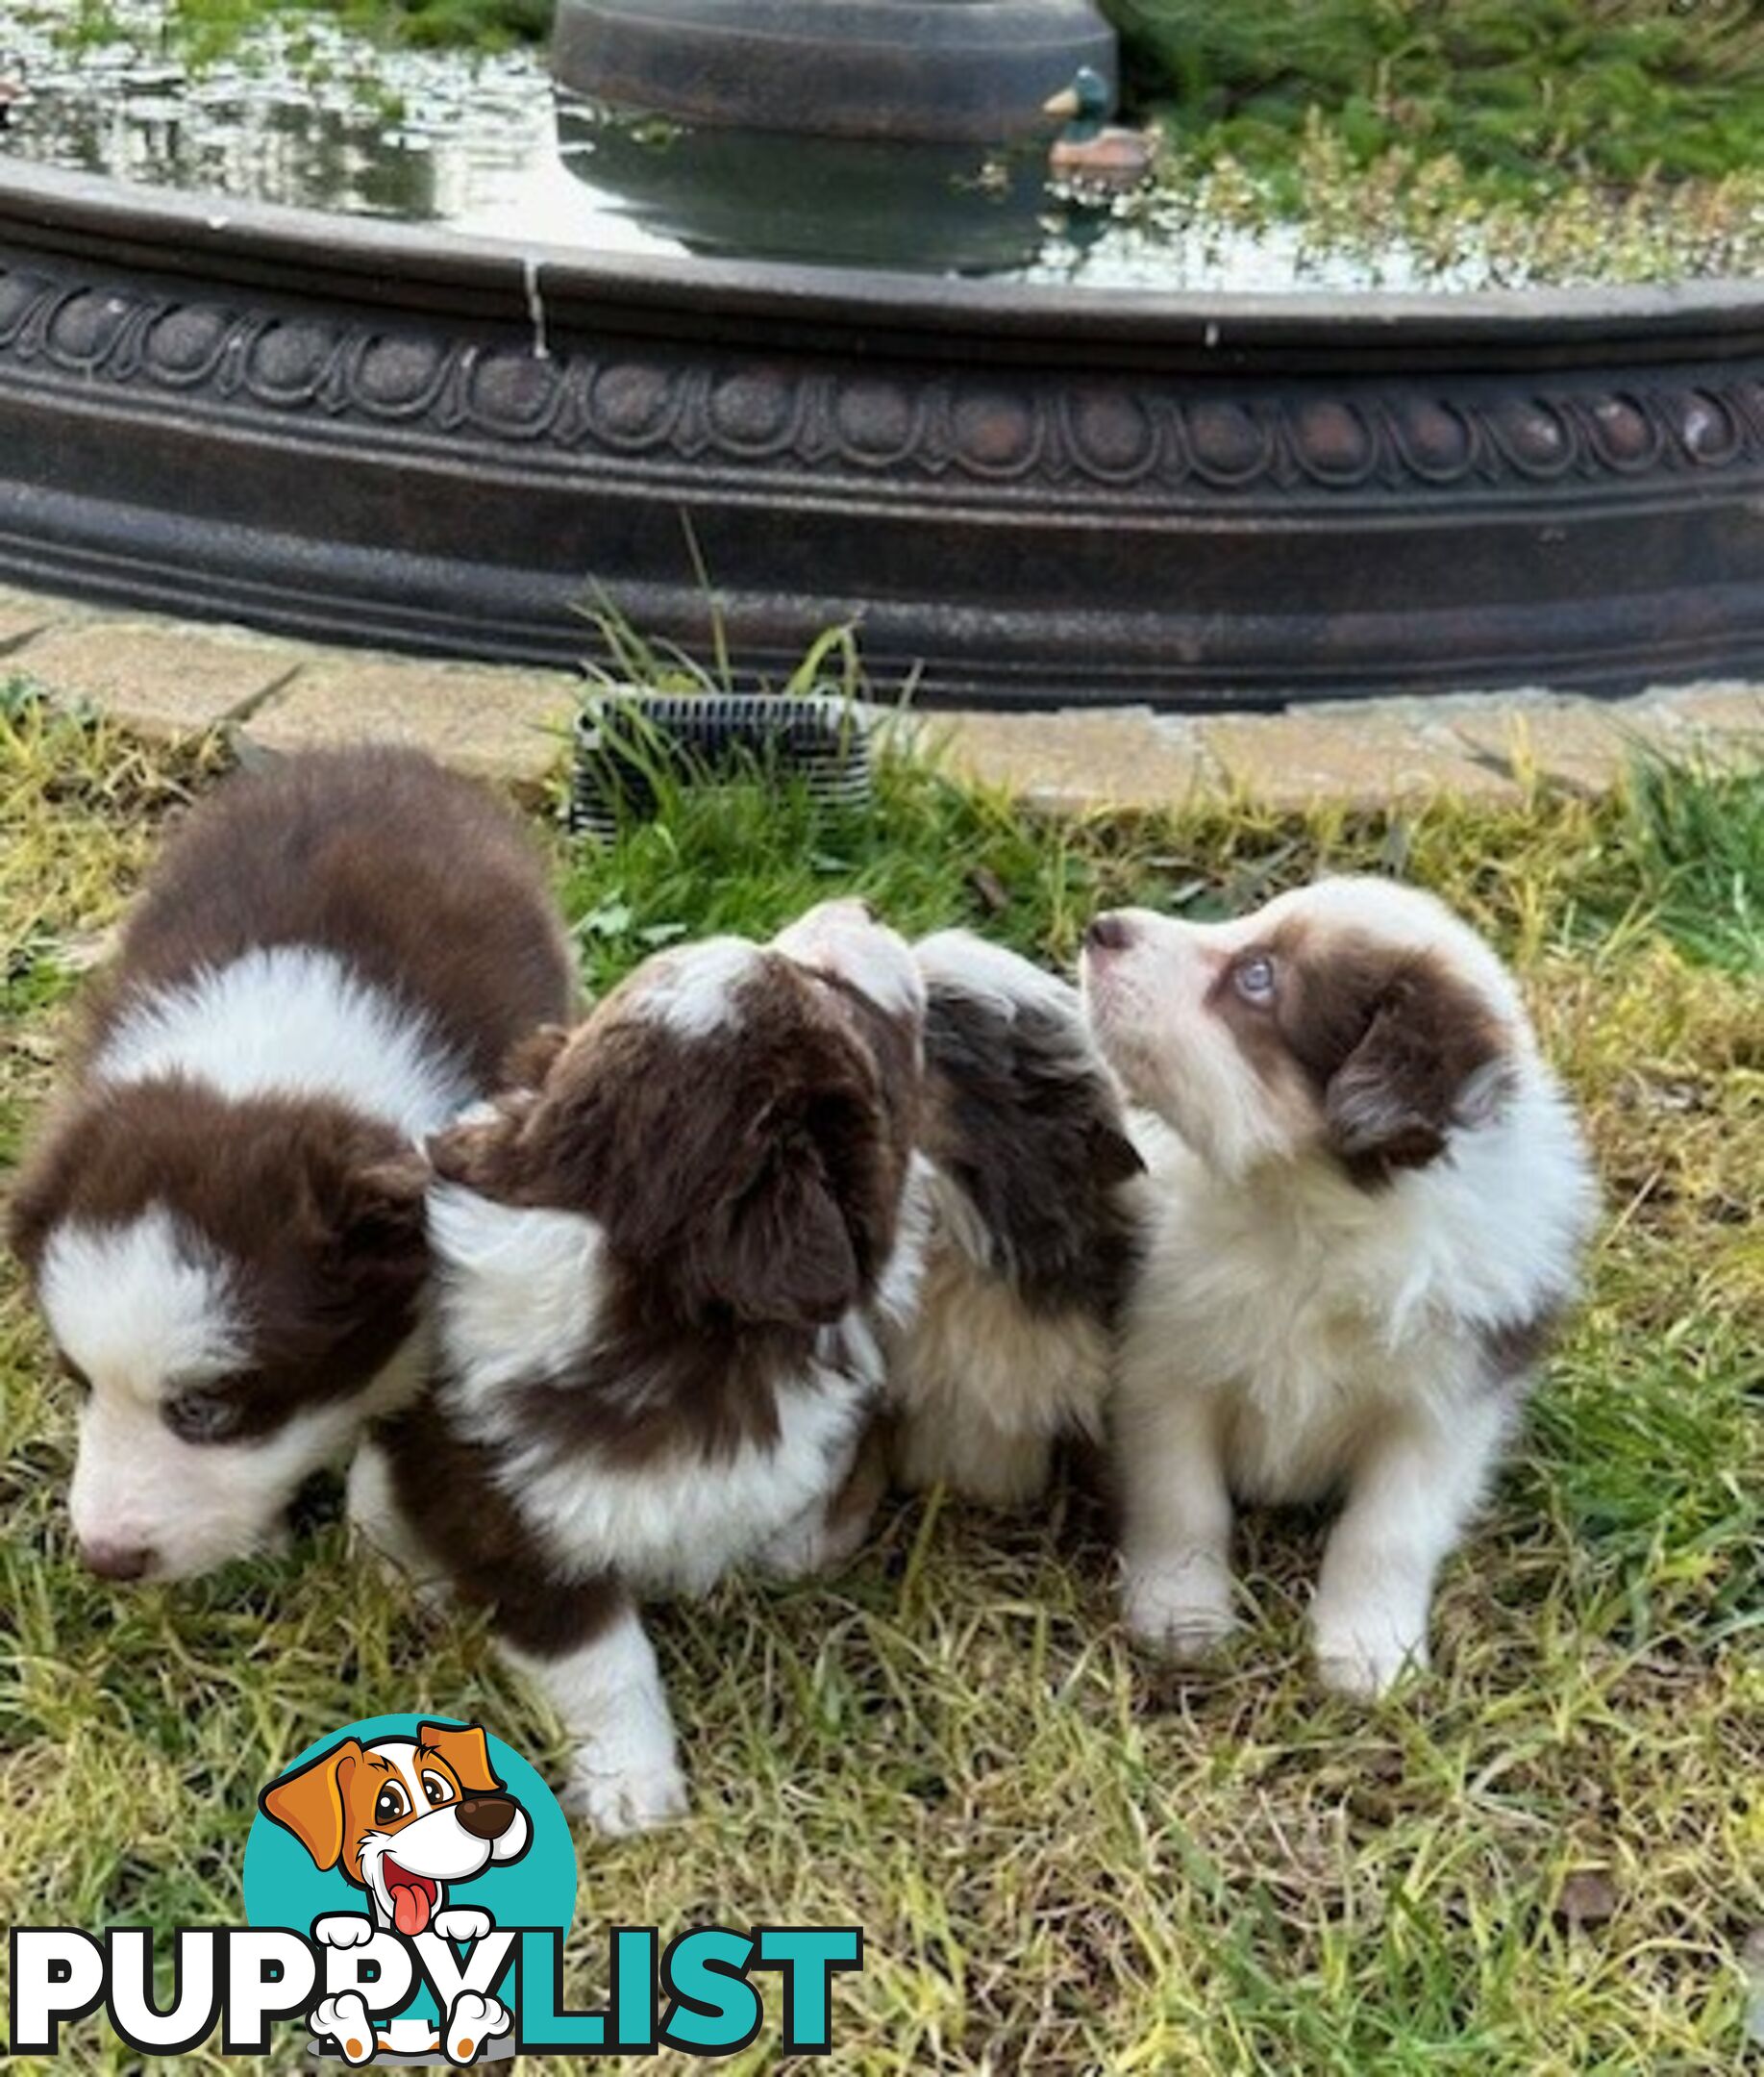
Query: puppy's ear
x: 1429, y: 1061
x: 371, y: 1213
x: 1114, y: 1156
x: 781, y: 1250
x: 477, y: 1151
x: 466, y: 1750
x: 382, y: 1200
x: 309, y: 1802
x: 529, y: 1060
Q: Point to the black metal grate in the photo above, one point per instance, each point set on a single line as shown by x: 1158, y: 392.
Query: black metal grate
x: 630, y: 745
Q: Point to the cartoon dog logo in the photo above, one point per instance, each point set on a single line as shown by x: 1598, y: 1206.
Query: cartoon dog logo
x: 402, y: 1819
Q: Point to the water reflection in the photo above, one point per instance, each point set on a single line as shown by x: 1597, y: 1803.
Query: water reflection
x: 309, y: 114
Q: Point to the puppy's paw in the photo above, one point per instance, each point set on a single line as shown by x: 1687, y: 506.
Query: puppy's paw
x: 1181, y: 1607
x: 622, y: 1798
x: 344, y: 2020
x: 343, y: 1929
x: 1364, y: 1649
x: 461, y: 1922
x: 473, y: 2023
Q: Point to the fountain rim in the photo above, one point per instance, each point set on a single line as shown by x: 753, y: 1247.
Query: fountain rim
x: 432, y: 270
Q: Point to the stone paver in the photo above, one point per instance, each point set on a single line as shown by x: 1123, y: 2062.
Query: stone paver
x: 1574, y: 742
x: 22, y: 615
x: 177, y: 678
x: 508, y: 724
x: 1075, y: 761
x: 1720, y: 719
x: 1362, y: 756
x: 161, y: 677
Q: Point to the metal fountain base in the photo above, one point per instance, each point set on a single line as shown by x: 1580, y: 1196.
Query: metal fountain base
x: 1023, y: 495
x: 906, y: 70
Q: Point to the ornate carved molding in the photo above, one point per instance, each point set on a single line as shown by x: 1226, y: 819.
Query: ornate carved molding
x: 1135, y: 437
x: 341, y: 428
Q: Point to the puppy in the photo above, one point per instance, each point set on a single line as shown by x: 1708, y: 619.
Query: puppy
x: 1032, y: 1227
x: 663, y: 1270
x: 1372, y: 1216
x: 402, y: 1819
x: 224, y: 1218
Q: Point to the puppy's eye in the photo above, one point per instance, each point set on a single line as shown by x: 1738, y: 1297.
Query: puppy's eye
x: 198, y: 1415
x: 390, y: 1804
x: 436, y: 1789
x: 1254, y: 978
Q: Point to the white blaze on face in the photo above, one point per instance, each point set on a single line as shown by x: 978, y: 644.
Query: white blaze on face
x: 146, y: 1309
x: 841, y: 939
x: 1148, y: 1002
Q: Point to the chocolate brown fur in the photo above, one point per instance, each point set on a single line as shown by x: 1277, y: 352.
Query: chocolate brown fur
x: 424, y: 888
x: 417, y: 877
x: 1387, y: 1038
x: 756, y: 1185
x: 1031, y: 1131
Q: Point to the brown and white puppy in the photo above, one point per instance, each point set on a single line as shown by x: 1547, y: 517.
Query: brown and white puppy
x: 664, y: 1271
x: 223, y: 1218
x: 1034, y: 1220
x: 1371, y: 1210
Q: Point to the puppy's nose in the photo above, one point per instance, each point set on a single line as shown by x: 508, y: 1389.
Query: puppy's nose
x: 487, y: 1816
x: 1110, y: 932
x: 115, y: 1561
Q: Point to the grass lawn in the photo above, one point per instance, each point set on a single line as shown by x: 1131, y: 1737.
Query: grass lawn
x: 1544, y: 1857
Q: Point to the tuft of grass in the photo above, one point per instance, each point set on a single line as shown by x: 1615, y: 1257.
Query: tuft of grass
x: 1064, y: 1859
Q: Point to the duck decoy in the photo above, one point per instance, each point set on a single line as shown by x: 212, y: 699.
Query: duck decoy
x: 1090, y: 147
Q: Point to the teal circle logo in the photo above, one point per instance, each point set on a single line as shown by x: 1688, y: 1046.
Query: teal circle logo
x: 286, y: 1884
x: 405, y: 1836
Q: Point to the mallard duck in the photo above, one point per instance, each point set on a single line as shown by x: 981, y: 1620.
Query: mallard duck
x: 1090, y: 147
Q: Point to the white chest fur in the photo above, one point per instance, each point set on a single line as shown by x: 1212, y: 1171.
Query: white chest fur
x: 1310, y: 1309
x: 520, y: 1293
x: 676, y: 1523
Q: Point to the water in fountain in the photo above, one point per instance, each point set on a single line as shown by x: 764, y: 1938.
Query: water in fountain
x: 308, y: 113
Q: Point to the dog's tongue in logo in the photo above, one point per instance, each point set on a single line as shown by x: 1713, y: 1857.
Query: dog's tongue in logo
x: 412, y: 1897
x: 403, y: 1818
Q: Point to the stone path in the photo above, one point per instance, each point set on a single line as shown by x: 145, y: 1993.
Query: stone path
x: 172, y: 678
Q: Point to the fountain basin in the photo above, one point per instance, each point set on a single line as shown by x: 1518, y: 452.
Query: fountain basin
x: 370, y: 432
x: 899, y: 70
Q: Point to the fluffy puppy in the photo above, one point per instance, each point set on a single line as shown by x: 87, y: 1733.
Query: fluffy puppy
x: 223, y: 1218
x: 663, y: 1270
x: 1371, y: 1218
x: 1032, y: 1227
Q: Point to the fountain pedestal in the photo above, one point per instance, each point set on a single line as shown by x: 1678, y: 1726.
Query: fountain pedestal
x: 913, y: 70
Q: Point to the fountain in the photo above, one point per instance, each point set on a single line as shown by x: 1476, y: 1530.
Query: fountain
x: 446, y: 440
x: 896, y: 71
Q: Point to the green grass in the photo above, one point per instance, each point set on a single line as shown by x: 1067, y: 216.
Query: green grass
x: 1545, y: 90
x: 1065, y: 1861
x: 207, y: 31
